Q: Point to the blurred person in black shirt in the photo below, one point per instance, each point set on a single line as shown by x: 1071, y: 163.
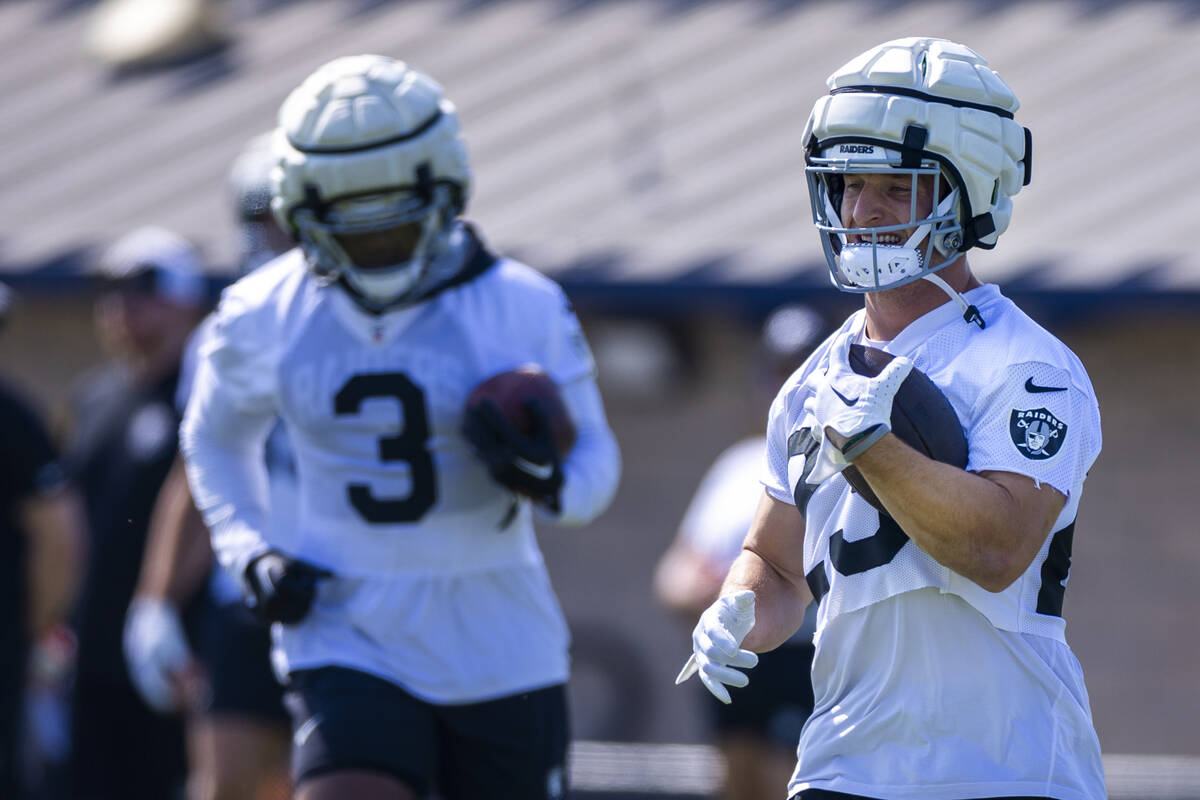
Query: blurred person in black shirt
x: 238, y: 730
x: 40, y: 542
x: 124, y: 442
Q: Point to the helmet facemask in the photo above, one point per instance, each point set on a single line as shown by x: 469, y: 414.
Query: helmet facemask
x: 934, y: 109
x: 867, y: 259
x: 418, y: 222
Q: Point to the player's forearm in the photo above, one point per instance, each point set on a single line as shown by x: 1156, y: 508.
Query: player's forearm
x: 55, y: 531
x: 178, y: 553
x: 685, y: 582
x: 779, y: 600
x: 964, y: 521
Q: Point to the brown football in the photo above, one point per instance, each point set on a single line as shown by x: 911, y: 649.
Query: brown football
x: 511, y: 390
x: 922, y: 418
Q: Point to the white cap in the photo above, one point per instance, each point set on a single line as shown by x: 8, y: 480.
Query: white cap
x: 170, y: 263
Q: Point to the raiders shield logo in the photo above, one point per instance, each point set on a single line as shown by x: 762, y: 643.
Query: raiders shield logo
x: 1038, y: 434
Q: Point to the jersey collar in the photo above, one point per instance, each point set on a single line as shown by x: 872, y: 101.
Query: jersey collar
x: 924, y: 326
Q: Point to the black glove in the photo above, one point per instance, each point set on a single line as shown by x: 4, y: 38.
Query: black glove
x: 528, y: 465
x: 282, y: 588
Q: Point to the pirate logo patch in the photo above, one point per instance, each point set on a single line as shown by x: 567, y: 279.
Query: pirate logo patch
x: 1038, y: 434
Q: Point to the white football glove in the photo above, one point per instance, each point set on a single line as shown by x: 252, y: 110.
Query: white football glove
x: 716, y: 644
x: 857, y: 407
x: 819, y: 466
x: 156, y: 652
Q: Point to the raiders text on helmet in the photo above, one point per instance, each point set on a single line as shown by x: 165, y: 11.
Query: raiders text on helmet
x: 920, y: 106
x: 367, y: 144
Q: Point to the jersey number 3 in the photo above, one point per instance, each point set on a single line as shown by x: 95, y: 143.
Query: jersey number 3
x: 409, y: 447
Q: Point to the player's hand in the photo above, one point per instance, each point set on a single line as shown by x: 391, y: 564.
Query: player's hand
x: 157, y: 654
x: 716, y: 645
x: 857, y: 408
x: 816, y: 459
x: 282, y: 588
x: 529, y: 465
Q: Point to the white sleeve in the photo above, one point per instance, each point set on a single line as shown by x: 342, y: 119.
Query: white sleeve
x: 229, y: 414
x: 190, y: 361
x: 722, y: 509
x: 1034, y: 420
x: 592, y: 469
x: 775, y: 471
x: 565, y: 353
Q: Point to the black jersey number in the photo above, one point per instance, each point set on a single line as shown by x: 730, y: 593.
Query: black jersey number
x: 411, y: 447
x: 851, y: 558
x: 878, y: 549
x: 1054, y: 573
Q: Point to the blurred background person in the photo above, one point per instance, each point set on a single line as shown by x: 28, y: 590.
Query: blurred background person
x: 237, y: 728
x: 41, y: 541
x: 123, y: 442
x: 757, y: 733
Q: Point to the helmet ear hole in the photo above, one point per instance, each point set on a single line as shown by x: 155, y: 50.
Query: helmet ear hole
x: 425, y: 182
x: 313, y: 201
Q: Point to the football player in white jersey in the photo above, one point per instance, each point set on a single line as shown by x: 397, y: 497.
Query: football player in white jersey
x: 941, y: 668
x: 415, y: 622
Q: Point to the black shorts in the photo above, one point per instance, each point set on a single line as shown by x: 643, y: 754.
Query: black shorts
x: 235, y: 649
x: 777, y: 701
x: 12, y: 681
x: 122, y: 749
x: 514, y: 747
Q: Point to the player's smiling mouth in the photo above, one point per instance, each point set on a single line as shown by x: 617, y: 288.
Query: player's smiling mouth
x: 882, y: 238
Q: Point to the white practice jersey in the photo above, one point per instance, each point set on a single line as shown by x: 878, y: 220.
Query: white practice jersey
x: 720, y: 512
x: 926, y: 685
x: 283, y: 498
x: 439, y: 584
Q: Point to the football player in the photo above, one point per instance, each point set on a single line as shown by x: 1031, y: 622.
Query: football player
x: 414, y: 618
x: 941, y: 668
x: 237, y: 728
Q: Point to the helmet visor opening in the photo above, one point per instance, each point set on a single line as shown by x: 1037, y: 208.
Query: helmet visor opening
x: 881, y: 225
x: 383, y: 248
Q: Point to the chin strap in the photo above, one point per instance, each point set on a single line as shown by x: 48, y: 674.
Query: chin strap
x: 970, y: 312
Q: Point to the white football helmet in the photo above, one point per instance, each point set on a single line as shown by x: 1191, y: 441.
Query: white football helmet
x: 249, y: 185
x: 918, y: 106
x: 367, y: 144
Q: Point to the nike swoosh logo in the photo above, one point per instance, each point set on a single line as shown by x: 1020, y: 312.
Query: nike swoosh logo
x: 843, y: 397
x: 540, y: 471
x: 1033, y: 388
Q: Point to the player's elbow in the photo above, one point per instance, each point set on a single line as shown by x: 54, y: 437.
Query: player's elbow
x: 999, y: 569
